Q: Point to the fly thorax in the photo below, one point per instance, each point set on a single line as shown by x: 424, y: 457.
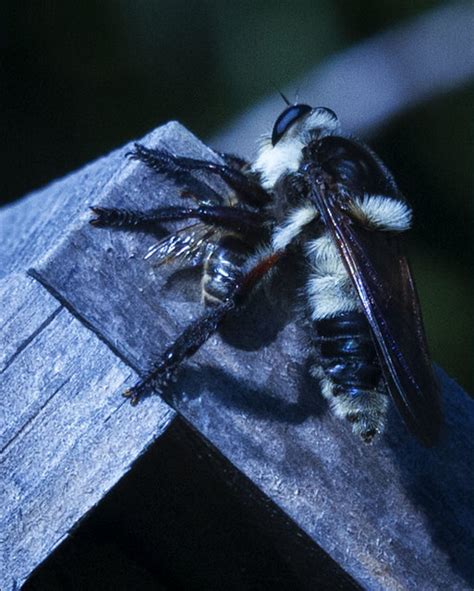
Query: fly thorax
x: 274, y: 161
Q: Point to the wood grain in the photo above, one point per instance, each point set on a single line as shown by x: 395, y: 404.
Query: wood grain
x: 392, y: 515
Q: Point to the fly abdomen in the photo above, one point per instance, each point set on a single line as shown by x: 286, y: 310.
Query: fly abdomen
x: 350, y: 372
x: 223, y: 269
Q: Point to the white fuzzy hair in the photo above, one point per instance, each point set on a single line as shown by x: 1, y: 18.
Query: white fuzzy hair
x: 329, y: 288
x: 370, y: 407
x: 383, y: 213
x: 292, y: 226
x: 285, y: 156
x: 273, y: 161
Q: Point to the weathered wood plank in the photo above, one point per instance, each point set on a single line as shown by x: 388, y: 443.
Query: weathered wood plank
x: 47, y: 356
x: 25, y: 308
x: 393, y: 515
x: 190, y: 519
x: 76, y: 437
x: 95, y: 263
x: 28, y: 228
x: 44, y: 355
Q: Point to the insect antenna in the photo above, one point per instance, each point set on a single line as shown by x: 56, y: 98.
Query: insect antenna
x: 284, y: 98
x: 297, y: 94
x: 281, y: 94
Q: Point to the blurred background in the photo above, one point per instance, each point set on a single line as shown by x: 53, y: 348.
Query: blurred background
x: 79, y: 79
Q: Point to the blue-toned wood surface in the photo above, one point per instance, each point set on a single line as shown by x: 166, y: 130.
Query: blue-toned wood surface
x: 82, y: 311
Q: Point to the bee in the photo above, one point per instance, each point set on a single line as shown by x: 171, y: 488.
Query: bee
x: 328, y: 199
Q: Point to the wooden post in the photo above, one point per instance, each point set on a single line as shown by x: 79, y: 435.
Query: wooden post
x: 82, y: 312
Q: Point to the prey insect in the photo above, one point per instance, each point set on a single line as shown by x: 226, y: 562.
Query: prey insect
x: 328, y: 199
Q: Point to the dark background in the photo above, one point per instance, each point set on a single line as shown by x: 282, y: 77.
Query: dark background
x: 78, y: 79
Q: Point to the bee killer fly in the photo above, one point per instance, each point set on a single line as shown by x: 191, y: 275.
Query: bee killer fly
x: 328, y: 198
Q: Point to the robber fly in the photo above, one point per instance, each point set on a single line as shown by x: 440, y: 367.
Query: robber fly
x: 328, y: 198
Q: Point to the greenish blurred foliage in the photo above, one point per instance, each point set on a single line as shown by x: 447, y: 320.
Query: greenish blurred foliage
x: 431, y: 151
x: 362, y: 19
x: 78, y: 79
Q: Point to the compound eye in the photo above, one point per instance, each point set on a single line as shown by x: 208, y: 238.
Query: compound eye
x: 286, y: 120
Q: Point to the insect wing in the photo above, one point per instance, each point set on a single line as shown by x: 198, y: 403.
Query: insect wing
x: 187, y: 245
x: 382, y: 278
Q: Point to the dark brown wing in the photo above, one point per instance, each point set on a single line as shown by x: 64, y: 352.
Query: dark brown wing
x: 382, y: 278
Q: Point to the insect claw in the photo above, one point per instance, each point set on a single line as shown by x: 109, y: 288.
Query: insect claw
x: 132, y: 395
x: 102, y: 214
x: 132, y: 154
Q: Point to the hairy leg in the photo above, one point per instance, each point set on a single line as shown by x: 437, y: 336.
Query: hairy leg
x: 233, y: 160
x: 162, y: 161
x: 230, y: 218
x: 193, y: 337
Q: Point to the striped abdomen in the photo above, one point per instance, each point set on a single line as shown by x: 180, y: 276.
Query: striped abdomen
x: 223, y: 268
x: 347, y: 353
x: 350, y: 371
